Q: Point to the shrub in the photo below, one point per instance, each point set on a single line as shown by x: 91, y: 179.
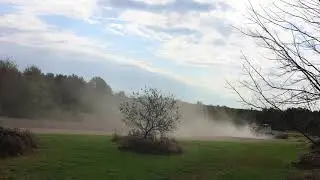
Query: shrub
x: 281, y: 136
x: 150, y: 113
x: 15, y: 142
x: 115, y: 137
x: 315, y: 146
x: 149, y: 145
x: 309, y: 160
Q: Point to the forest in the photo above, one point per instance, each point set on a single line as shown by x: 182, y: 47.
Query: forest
x: 30, y: 93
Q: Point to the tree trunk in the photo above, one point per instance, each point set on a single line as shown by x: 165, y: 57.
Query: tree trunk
x: 145, y: 135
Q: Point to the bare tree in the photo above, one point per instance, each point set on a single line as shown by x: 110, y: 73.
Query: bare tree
x: 150, y: 113
x: 290, y: 32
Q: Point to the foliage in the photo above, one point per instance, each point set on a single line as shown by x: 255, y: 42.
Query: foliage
x: 115, y: 137
x: 315, y: 146
x: 15, y: 142
x: 13, y: 92
x: 281, y: 136
x: 100, y: 85
x: 150, y: 113
x: 309, y: 160
x: 149, y: 145
x: 31, y: 93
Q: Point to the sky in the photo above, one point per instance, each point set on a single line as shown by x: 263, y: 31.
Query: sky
x: 189, y: 48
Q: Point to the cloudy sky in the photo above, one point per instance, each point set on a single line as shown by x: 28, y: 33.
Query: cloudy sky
x: 187, y: 47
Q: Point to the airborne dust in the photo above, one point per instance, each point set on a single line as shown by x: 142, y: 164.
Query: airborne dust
x: 195, y: 124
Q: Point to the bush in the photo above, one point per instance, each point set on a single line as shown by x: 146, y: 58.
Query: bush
x: 115, y: 137
x: 150, y: 145
x: 150, y: 113
x: 15, y: 142
x: 315, y: 146
x: 281, y: 136
x: 309, y: 160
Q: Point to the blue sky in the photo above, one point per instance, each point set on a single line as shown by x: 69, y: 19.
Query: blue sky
x: 187, y: 47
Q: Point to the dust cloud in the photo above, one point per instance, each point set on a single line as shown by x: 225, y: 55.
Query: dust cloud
x: 209, y: 129
x: 194, y: 124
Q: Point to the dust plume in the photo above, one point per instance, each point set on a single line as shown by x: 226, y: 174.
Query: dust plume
x: 196, y: 124
x: 206, y: 129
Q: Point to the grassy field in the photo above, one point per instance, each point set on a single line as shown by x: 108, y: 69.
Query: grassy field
x: 95, y: 157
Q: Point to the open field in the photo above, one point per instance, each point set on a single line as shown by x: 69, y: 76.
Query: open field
x: 95, y: 157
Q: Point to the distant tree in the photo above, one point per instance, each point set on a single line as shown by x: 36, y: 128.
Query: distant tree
x: 13, y: 88
x: 121, y: 94
x: 199, y: 103
x: 68, y: 89
x: 32, y: 92
x: 100, y: 85
x: 150, y: 113
x: 32, y: 72
x: 39, y: 92
x: 49, y: 76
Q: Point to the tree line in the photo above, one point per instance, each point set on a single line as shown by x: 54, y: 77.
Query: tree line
x: 32, y: 93
x: 291, y: 119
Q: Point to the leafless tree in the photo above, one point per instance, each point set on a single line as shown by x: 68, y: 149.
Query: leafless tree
x: 290, y: 32
x: 150, y: 112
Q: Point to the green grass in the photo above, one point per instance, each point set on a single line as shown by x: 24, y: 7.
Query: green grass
x: 95, y: 157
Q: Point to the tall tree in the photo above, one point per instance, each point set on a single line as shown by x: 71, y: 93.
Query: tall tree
x: 40, y: 95
x: 100, y: 85
x: 289, y: 31
x: 150, y: 113
x: 13, y: 88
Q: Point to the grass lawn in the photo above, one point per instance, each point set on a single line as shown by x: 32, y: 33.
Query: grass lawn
x: 95, y: 157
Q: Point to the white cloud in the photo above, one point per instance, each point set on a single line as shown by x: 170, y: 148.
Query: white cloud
x: 192, y: 20
x: 197, y: 49
x: 214, y: 41
x: 80, y: 9
x: 138, y: 30
x: 40, y: 35
x: 156, y: 2
x: 143, y: 18
x: 203, y: 1
x: 28, y: 30
x: 210, y: 47
x: 209, y: 82
x: 22, y: 21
